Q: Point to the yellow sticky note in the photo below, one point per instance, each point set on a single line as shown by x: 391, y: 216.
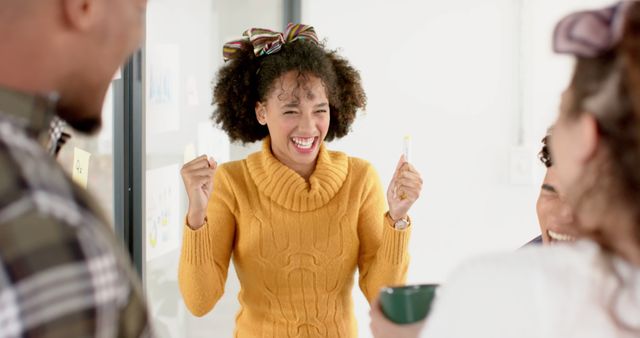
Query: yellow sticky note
x: 189, y: 152
x: 81, y: 166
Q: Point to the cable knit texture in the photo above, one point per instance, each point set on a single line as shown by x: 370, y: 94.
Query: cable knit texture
x: 296, y: 245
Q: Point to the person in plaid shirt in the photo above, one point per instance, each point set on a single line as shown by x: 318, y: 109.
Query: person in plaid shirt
x: 62, y: 272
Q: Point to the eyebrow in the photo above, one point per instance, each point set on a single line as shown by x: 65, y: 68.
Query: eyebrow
x: 291, y: 105
x: 549, y: 187
x: 296, y: 104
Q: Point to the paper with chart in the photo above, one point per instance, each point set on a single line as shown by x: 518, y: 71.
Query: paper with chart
x: 163, y: 100
x: 162, y: 206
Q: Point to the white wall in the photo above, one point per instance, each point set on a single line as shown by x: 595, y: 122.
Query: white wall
x: 446, y: 73
x: 476, y: 85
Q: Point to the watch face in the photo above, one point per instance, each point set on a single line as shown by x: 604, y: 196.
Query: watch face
x: 401, y: 224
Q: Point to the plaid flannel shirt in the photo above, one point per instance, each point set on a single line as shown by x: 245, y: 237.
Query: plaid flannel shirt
x: 62, y: 272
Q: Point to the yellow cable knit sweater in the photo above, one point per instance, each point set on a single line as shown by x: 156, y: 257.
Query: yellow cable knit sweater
x: 295, y: 245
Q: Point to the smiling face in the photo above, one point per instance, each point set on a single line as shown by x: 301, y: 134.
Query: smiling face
x: 555, y: 216
x: 296, y: 112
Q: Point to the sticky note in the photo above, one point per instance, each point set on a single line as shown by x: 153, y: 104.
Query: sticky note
x: 80, y: 170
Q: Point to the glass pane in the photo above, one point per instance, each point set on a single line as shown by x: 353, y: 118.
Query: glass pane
x: 100, y: 166
x: 183, y: 51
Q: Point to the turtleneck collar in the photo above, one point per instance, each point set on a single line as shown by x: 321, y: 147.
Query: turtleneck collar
x: 290, y: 190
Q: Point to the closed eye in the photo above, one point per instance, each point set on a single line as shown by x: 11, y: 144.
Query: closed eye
x: 549, y: 188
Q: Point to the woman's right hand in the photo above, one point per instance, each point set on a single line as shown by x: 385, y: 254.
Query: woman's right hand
x: 197, y: 176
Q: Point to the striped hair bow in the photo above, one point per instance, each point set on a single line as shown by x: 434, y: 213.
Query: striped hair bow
x: 266, y: 42
x: 590, y: 33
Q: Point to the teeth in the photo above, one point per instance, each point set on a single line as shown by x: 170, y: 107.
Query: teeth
x: 560, y: 237
x: 303, y: 142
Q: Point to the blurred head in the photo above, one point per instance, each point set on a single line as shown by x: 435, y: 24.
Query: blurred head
x: 103, y: 33
x: 72, y: 47
x: 555, y: 216
x: 300, y: 96
x: 596, y: 140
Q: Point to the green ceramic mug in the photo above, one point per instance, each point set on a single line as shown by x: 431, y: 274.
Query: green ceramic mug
x: 407, y: 304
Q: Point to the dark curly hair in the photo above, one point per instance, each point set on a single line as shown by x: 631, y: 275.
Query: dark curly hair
x: 545, y: 153
x: 247, y: 79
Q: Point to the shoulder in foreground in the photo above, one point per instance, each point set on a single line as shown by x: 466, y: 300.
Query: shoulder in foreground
x: 528, y: 266
x: 12, y: 183
x: 41, y: 241
x: 511, y: 294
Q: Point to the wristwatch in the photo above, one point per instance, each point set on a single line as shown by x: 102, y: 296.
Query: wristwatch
x: 400, y: 224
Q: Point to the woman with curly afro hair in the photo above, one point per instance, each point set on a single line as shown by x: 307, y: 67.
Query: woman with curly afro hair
x: 298, y: 218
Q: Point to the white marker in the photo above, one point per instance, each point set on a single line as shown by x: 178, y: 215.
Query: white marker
x: 406, y: 148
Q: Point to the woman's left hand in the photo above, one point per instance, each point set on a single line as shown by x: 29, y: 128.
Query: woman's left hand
x: 404, y: 189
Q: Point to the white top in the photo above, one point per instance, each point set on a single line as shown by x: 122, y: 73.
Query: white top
x: 561, y: 291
